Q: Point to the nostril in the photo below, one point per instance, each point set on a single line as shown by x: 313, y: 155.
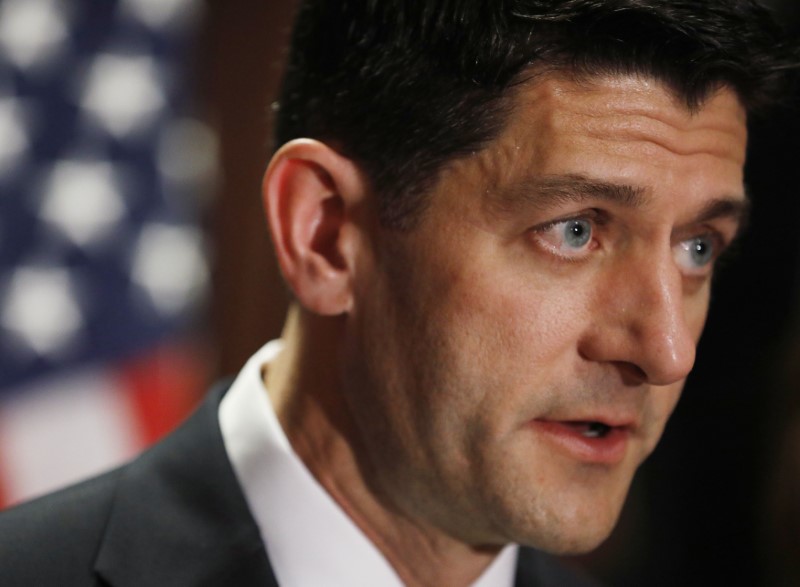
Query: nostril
x: 632, y: 374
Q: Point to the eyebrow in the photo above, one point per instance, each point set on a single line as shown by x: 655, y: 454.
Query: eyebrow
x: 553, y: 190
x: 737, y: 209
x: 545, y: 192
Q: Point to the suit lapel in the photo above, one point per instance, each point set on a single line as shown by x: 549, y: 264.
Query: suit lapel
x: 527, y: 571
x: 179, y: 516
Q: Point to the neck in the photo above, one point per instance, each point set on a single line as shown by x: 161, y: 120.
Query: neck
x: 304, y: 383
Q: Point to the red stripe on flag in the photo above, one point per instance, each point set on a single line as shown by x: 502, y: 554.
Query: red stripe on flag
x: 165, y: 385
x: 3, y: 493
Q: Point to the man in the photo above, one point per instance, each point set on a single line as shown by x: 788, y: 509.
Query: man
x: 499, y: 221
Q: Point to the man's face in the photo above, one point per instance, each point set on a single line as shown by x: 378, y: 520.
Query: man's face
x: 513, y: 359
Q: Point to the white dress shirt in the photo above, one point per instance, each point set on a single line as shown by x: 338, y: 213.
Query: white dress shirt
x: 310, y: 541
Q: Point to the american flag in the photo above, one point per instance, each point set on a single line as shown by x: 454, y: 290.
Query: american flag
x: 102, y: 264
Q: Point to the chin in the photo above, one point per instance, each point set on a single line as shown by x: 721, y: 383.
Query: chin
x: 565, y: 528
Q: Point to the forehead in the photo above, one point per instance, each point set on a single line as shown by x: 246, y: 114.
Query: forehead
x: 628, y: 129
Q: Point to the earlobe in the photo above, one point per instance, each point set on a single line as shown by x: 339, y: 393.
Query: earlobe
x: 309, y: 191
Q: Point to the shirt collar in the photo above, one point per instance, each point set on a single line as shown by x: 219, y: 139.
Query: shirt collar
x: 309, y: 539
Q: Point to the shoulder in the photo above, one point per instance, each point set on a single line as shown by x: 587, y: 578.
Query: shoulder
x: 53, y: 540
x: 173, y: 516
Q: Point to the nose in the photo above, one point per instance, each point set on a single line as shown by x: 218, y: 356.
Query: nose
x: 641, y: 323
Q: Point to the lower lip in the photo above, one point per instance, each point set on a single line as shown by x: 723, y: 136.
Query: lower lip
x: 605, y: 450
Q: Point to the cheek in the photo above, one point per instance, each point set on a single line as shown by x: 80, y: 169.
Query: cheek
x: 511, y: 316
x: 502, y: 347
x: 660, y: 407
x: 697, y: 311
x: 664, y: 401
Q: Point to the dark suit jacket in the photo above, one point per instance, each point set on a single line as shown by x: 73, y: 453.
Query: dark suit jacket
x: 175, y: 517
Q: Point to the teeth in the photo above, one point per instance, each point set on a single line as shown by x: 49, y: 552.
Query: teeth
x: 596, y: 430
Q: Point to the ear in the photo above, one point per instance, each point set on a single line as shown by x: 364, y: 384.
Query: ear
x: 310, y: 193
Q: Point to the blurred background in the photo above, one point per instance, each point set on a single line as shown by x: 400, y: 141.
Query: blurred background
x: 135, y: 269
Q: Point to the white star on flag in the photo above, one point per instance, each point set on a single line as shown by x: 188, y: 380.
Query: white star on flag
x: 15, y: 140
x: 123, y: 93
x: 170, y: 267
x: 83, y: 200
x: 159, y: 13
x: 31, y: 31
x: 41, y: 309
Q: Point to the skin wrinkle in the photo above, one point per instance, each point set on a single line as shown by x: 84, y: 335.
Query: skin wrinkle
x: 644, y: 117
x: 667, y: 143
x: 678, y: 140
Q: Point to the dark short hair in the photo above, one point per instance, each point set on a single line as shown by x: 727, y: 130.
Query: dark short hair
x: 405, y: 86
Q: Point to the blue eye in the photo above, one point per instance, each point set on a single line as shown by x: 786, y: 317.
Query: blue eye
x: 701, y: 250
x: 577, y: 233
x: 571, y: 239
x: 696, y: 254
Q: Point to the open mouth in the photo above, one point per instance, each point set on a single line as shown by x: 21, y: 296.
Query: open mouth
x: 591, y: 429
x: 590, y: 441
